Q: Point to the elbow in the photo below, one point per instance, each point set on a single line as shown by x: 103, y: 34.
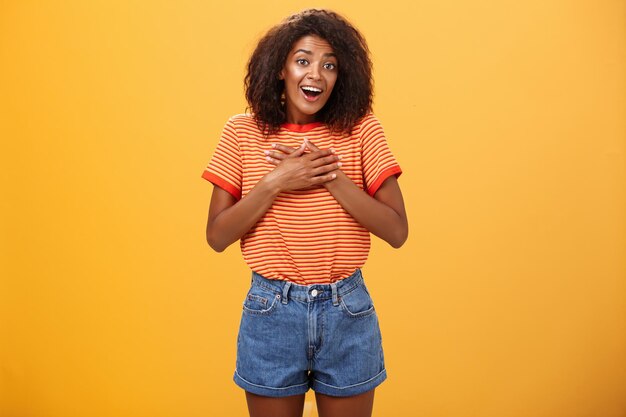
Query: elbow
x: 213, y: 243
x: 400, y: 238
x: 216, y: 248
x: 397, y: 244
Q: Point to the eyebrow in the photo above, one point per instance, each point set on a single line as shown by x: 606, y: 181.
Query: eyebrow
x: 311, y: 53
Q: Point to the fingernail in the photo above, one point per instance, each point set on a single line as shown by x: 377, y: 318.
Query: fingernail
x: 332, y: 150
x: 339, y: 157
x: 273, y: 145
x: 267, y: 152
x: 339, y: 164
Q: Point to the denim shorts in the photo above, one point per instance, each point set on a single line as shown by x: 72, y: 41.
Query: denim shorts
x: 321, y: 336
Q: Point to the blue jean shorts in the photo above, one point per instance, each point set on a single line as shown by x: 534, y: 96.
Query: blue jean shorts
x: 321, y: 336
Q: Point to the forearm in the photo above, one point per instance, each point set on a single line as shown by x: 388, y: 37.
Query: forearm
x: 380, y: 219
x: 234, y: 222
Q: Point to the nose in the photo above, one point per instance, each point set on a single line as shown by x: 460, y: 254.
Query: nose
x: 314, y: 73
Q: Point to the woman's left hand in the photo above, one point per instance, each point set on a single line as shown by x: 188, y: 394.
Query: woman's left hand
x: 281, y: 151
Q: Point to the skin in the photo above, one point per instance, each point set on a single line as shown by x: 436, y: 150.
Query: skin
x: 356, y: 406
x: 310, y: 62
x: 230, y: 219
x: 383, y: 215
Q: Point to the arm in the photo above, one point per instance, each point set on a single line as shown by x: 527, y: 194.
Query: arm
x: 230, y: 219
x: 383, y: 215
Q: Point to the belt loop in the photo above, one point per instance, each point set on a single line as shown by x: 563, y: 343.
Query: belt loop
x: 333, y: 287
x: 286, y: 291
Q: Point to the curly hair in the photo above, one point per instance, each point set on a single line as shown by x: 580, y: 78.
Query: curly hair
x: 351, y: 98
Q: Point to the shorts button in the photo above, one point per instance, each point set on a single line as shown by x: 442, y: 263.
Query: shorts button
x: 313, y: 293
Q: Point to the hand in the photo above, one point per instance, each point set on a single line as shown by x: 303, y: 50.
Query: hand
x: 298, y: 171
x: 310, y: 145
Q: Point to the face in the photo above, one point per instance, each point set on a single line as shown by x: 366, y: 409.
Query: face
x: 310, y: 72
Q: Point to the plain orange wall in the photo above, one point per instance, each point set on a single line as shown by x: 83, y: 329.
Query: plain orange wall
x: 507, y: 117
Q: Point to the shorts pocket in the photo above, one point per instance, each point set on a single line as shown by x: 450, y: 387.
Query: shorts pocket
x: 260, y: 301
x: 357, y: 303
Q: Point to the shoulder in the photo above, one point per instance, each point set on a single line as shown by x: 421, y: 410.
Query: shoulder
x: 245, y: 123
x: 241, y: 119
x: 368, y: 118
x: 367, y: 125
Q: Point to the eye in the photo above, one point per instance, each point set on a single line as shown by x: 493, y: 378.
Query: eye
x: 302, y: 61
x: 330, y: 66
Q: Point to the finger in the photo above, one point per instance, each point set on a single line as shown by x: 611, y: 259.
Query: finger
x: 285, y: 149
x: 310, y: 144
x: 324, y: 169
x: 320, y: 179
x: 320, y: 153
x: 314, y: 147
x: 299, y: 151
x: 276, y: 155
x: 272, y: 160
x: 331, y: 160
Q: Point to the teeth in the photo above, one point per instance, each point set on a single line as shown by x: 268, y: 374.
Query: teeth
x: 315, y: 90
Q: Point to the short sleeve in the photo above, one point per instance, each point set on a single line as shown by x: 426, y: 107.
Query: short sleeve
x: 225, y: 166
x: 377, y: 161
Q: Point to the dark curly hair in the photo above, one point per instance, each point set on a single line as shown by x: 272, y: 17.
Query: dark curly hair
x: 351, y: 98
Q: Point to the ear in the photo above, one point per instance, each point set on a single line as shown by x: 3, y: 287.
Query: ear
x: 281, y: 74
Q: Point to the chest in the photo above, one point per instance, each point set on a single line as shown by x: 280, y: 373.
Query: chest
x: 255, y: 165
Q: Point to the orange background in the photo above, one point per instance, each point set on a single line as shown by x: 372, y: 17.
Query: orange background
x: 508, y: 119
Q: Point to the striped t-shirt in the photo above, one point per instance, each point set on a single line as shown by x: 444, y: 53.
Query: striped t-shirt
x: 306, y: 236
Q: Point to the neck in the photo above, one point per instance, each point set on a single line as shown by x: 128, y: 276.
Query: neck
x: 300, y: 119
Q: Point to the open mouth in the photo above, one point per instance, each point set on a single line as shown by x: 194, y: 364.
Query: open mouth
x: 311, y: 93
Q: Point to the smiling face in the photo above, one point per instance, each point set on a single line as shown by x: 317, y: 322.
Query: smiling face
x: 310, y: 72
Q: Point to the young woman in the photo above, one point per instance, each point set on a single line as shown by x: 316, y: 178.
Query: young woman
x: 302, y: 180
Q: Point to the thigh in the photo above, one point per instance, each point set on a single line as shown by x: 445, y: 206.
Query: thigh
x: 272, y: 345
x: 261, y: 406
x: 350, y: 360
x: 355, y: 406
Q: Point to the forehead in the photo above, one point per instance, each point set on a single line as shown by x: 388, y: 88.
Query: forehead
x: 312, y: 43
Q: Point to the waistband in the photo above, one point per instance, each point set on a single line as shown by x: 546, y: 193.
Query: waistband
x: 312, y: 292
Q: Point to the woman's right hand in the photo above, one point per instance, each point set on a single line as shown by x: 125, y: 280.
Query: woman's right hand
x: 298, y: 170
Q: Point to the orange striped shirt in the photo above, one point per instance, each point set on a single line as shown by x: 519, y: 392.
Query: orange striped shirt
x: 306, y: 236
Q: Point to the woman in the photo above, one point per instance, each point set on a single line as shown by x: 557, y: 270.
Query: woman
x: 302, y: 180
